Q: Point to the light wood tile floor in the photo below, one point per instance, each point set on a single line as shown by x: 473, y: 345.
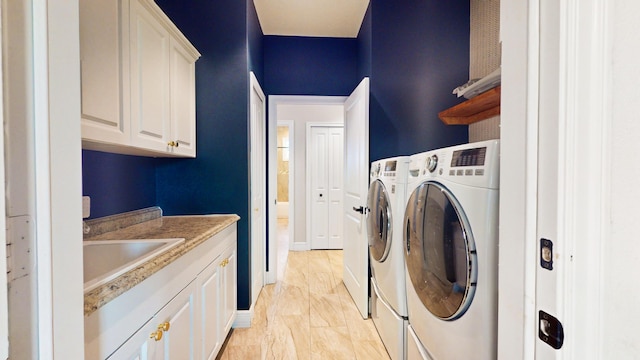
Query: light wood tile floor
x: 307, y: 315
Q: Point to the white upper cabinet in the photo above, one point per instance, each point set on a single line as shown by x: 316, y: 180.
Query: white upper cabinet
x: 183, y: 93
x: 103, y: 67
x: 148, y: 90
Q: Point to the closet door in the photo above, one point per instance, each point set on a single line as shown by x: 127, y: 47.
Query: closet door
x: 325, y: 153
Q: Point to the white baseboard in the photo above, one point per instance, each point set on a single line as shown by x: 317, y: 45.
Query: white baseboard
x: 270, y: 277
x: 300, y: 247
x: 243, y: 318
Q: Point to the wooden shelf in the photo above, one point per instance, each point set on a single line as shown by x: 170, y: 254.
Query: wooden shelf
x: 473, y: 110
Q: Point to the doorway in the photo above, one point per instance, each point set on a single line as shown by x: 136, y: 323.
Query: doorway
x: 295, y: 112
x: 285, y: 185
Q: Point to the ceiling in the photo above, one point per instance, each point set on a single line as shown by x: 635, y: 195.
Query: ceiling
x: 317, y: 18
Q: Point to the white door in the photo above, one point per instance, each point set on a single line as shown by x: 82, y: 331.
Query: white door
x: 356, y: 176
x: 325, y: 173
x: 258, y: 186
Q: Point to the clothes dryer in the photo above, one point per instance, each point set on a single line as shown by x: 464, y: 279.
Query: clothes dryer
x: 450, y: 234
x: 386, y: 203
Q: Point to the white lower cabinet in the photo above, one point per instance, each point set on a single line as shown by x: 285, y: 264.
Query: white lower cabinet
x: 217, y: 301
x: 168, y: 335
x: 228, y: 286
x: 209, y: 286
x: 195, y: 298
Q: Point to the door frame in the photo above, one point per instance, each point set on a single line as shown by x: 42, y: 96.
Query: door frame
x: 4, y: 310
x: 49, y: 110
x: 254, y: 85
x: 272, y: 172
x: 311, y: 125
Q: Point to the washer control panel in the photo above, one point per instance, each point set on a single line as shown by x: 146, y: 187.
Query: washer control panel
x: 389, y: 169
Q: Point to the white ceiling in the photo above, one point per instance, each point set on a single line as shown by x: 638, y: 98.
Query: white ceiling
x: 318, y: 18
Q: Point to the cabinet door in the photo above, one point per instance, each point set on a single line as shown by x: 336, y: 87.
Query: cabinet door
x: 104, y: 66
x: 183, y: 100
x: 150, y: 107
x: 140, y: 346
x: 228, y: 311
x: 210, y: 299
x: 179, y: 336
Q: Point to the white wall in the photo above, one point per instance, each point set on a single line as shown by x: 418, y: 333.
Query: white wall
x: 301, y: 114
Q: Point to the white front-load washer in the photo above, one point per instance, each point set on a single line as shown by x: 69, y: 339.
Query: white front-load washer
x: 385, y: 214
x: 450, y: 239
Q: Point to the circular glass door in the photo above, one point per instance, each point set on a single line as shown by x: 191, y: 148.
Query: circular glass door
x: 378, y: 221
x: 439, y: 251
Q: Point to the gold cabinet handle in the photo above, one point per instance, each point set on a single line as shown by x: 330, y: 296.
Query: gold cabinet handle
x: 224, y: 262
x: 171, y: 143
x: 156, y: 335
x: 164, y: 326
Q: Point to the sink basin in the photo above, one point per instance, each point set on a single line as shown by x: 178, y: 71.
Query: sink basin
x: 105, y: 260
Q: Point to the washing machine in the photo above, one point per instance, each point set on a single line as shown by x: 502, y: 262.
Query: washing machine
x: 386, y: 203
x: 450, y: 239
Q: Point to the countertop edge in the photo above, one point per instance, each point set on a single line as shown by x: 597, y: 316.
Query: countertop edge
x: 100, y: 296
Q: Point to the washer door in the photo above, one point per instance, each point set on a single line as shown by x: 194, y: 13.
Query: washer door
x: 439, y: 251
x: 378, y: 221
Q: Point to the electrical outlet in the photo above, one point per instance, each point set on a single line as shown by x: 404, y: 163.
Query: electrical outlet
x: 86, y: 207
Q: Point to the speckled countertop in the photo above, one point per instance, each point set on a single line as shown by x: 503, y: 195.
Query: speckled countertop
x: 194, y: 229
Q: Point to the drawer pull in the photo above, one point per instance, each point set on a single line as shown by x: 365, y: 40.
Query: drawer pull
x: 164, y: 326
x: 156, y: 335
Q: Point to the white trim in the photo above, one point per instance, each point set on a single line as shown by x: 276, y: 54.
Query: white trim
x: 311, y: 125
x: 519, y: 25
x: 4, y: 314
x: 584, y: 143
x: 244, y: 318
x: 532, y: 85
x: 42, y: 179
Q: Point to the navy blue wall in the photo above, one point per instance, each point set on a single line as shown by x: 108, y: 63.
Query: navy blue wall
x: 216, y: 181
x: 117, y: 183
x: 256, y: 48
x: 419, y: 53
x: 310, y: 66
x: 364, y: 45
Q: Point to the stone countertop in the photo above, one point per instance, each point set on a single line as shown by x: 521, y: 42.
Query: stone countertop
x: 194, y: 229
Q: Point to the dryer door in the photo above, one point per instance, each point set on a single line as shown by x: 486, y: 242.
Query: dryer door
x: 439, y: 251
x: 379, y: 221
